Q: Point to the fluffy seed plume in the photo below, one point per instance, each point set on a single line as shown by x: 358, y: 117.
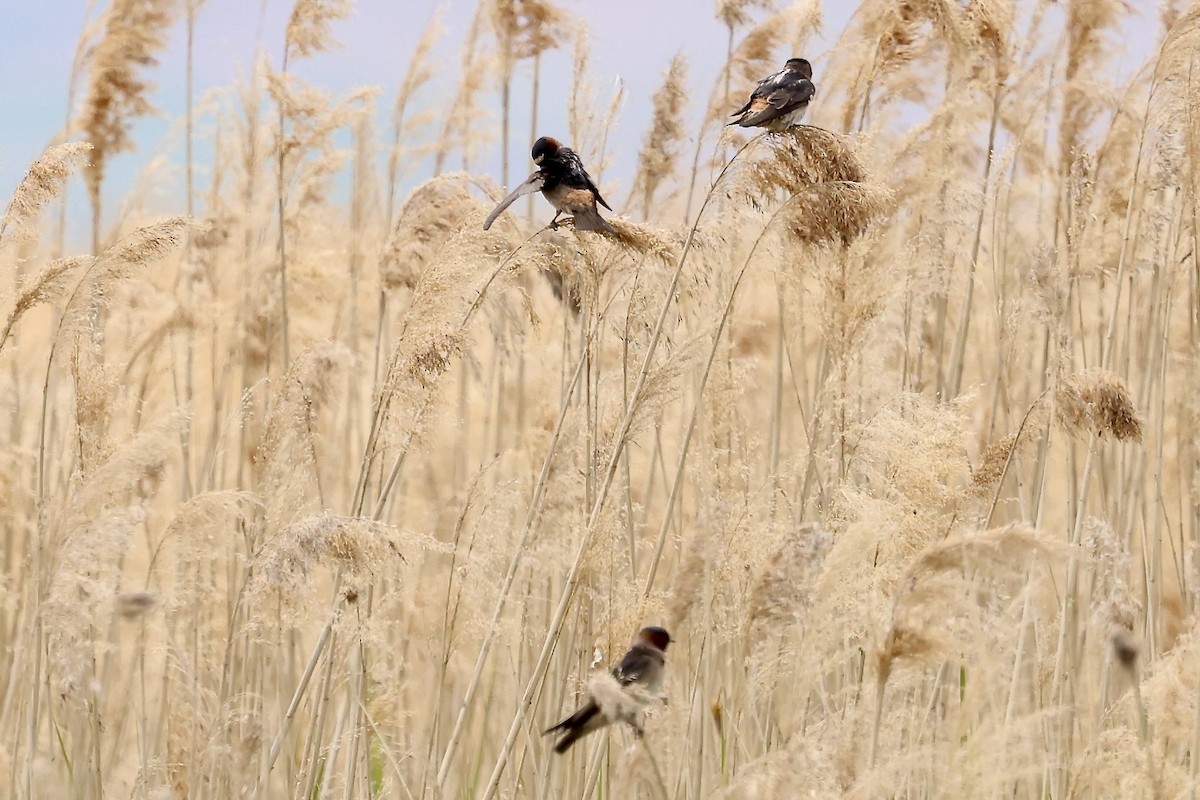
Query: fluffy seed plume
x: 781, y: 593
x: 309, y: 27
x: 660, y: 150
x: 44, y: 182
x: 837, y: 212
x: 929, y: 619
x: 802, y: 155
x: 358, y: 546
x: 1097, y: 401
x: 992, y: 464
x: 429, y: 217
x: 45, y: 287
x: 642, y: 240
x: 736, y: 13
x: 134, y: 32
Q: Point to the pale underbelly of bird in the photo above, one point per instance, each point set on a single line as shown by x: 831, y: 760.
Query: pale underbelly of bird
x: 580, y: 204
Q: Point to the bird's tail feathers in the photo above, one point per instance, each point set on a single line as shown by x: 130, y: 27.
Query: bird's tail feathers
x: 565, y: 743
x: 589, y: 219
x: 576, y: 726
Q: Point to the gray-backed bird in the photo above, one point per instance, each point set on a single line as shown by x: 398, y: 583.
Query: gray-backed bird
x: 641, y: 669
x: 780, y: 100
x: 564, y: 182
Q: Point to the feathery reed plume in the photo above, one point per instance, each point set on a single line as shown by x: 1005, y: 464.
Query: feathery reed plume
x: 837, y: 212
x: 419, y: 72
x: 358, y: 546
x: 561, y: 261
x: 287, y: 458
x: 1097, y: 401
x: 936, y: 608
x: 736, y: 13
x: 524, y: 29
x: 1087, y: 23
x: 433, y: 330
x: 805, y: 154
x: 143, y: 246
x: 781, y: 593
x: 642, y: 240
x: 45, y: 287
x: 85, y: 541
x: 309, y: 29
x: 829, y: 197
x: 134, y: 32
x: 431, y: 214
x: 45, y: 181
x: 993, y: 462
x: 1115, y: 608
x: 924, y: 625
x: 461, y: 127
x: 660, y: 149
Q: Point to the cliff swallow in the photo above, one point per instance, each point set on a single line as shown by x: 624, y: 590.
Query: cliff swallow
x: 641, y: 669
x: 564, y: 182
x: 779, y: 101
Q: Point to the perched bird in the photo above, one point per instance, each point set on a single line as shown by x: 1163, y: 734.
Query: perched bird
x: 564, y: 182
x: 641, y: 668
x: 779, y: 101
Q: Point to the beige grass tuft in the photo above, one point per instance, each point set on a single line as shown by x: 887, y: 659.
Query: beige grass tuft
x: 134, y: 32
x: 660, y: 148
x: 1097, y: 401
x: 309, y: 27
x: 433, y: 212
x: 836, y: 212
x: 45, y: 181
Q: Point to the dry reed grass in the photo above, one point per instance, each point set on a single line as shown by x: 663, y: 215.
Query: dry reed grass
x: 897, y: 434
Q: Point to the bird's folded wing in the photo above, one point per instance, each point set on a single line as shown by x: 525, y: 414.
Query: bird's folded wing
x: 532, y: 184
x: 791, y: 95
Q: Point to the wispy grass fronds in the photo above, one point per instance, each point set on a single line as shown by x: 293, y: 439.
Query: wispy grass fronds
x: 657, y: 160
x: 462, y: 126
x: 310, y: 27
x: 643, y: 240
x: 44, y: 181
x: 1097, y: 401
x: 46, y: 286
x: 1089, y: 28
x: 86, y: 539
x: 359, y: 547
x: 836, y: 212
x: 420, y: 71
x: 736, y: 13
x: 928, y: 616
x: 431, y: 214
x: 141, y: 247
x: 780, y: 595
x: 804, y: 154
x: 134, y: 32
x: 289, y: 458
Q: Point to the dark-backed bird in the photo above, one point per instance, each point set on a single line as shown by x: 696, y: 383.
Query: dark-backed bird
x: 780, y: 100
x: 564, y: 182
x: 642, y: 669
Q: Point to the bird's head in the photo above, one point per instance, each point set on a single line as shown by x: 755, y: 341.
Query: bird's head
x: 544, y: 147
x: 800, y: 65
x: 655, y: 637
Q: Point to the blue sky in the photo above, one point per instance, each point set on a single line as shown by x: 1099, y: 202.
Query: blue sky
x: 632, y: 40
